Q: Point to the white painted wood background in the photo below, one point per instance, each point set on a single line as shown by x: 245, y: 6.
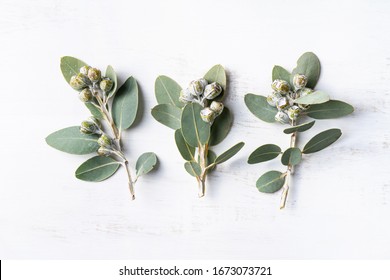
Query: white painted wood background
x: 339, y: 205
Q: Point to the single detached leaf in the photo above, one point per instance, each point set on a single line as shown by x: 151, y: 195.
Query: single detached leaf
x: 316, y: 97
x: 217, y: 74
x: 299, y: 128
x: 270, y: 182
x: 280, y: 73
x: 97, y: 169
x: 329, y: 110
x: 110, y: 73
x: 229, y: 153
x: 95, y: 111
x: 70, y: 66
x: 322, y: 140
x: 167, y: 91
x: 168, y: 115
x: 264, y: 153
x: 125, y: 104
x: 145, y: 163
x: 193, y: 168
x: 71, y: 140
x: 221, y: 127
x: 291, y: 156
x: 309, y: 65
x: 259, y: 107
x: 186, y: 151
x: 195, y: 130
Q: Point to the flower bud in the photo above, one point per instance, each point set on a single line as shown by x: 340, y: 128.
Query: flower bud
x: 283, y: 103
x: 104, y: 152
x: 282, y: 117
x: 280, y: 86
x: 79, y: 81
x: 207, y: 115
x: 105, y: 141
x: 88, y: 127
x: 212, y: 90
x: 185, y: 96
x: 196, y: 87
x: 217, y: 107
x: 293, y: 112
x: 299, y: 81
x: 94, y: 75
x: 303, y: 92
x: 273, y: 98
x: 84, y: 70
x: 85, y: 95
x: 106, y: 85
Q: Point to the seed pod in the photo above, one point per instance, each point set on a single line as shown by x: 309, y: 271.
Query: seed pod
x: 196, y: 87
x: 79, y: 81
x: 280, y: 86
x: 106, y: 85
x: 217, y: 107
x: 207, y: 115
x: 283, y: 103
x: 84, y: 70
x: 88, y: 127
x: 293, y: 112
x: 94, y: 75
x: 85, y: 95
x: 299, y: 81
x: 212, y: 90
x: 273, y: 98
x: 104, y: 152
x: 185, y: 96
x: 282, y: 117
x: 105, y: 141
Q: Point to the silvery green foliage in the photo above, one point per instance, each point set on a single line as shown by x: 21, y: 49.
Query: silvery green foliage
x: 199, y: 118
x: 293, y: 99
x: 113, y: 110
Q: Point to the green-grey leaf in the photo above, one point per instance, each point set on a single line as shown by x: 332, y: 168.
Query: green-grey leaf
x: 168, y: 115
x: 259, y: 107
x: 270, y: 182
x: 316, y: 97
x: 110, y: 73
x: 280, y: 73
x: 329, y: 110
x: 97, y: 169
x: 95, y: 111
x: 309, y: 65
x: 193, y: 168
x: 186, y: 151
x: 125, y: 104
x: 291, y: 156
x: 71, y: 140
x: 195, y: 130
x: 229, y: 153
x: 217, y: 74
x: 167, y: 91
x: 299, y: 128
x: 264, y: 153
x: 145, y: 163
x: 70, y: 66
x: 322, y: 140
x: 221, y: 127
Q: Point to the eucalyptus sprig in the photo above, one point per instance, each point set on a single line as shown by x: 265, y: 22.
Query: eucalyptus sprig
x: 113, y: 110
x: 199, y: 118
x: 292, y: 100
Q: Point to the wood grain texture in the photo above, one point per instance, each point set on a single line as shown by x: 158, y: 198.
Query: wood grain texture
x: 339, y: 204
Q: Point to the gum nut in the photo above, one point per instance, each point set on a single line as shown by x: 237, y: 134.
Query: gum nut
x: 282, y: 117
x: 207, y: 115
x: 299, y: 81
x: 204, y: 82
x: 79, y: 81
x: 94, y: 75
x: 84, y: 70
x: 85, y: 95
x: 303, y: 92
x: 212, y: 90
x: 103, y: 152
x: 106, y: 85
x: 273, y: 98
x: 293, y: 112
x: 185, y: 96
x: 283, y: 103
x: 196, y: 88
x: 104, y: 141
x: 280, y: 86
x: 217, y: 107
x: 87, y: 127
x: 95, y: 121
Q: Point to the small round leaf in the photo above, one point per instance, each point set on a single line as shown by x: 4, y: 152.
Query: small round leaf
x: 264, y: 153
x: 291, y: 156
x: 270, y: 182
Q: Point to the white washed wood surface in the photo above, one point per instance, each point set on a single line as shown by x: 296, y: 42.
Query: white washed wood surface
x: 339, y: 205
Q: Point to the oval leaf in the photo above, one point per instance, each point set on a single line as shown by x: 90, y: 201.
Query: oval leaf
x: 145, y: 163
x: 299, y: 128
x: 280, y: 73
x: 110, y: 73
x: 95, y: 110
x: 168, y: 115
x: 195, y: 130
x: 316, y: 97
x: 186, y: 151
x: 97, y: 169
x: 70, y: 66
x: 329, y: 110
x: 221, y: 127
x: 322, y: 140
x: 270, y: 182
x: 259, y: 107
x: 216, y: 74
x: 291, y: 156
x: 167, y: 91
x: 125, y: 104
x: 309, y: 65
x: 71, y: 140
x: 193, y: 168
x: 229, y: 153
x: 264, y: 153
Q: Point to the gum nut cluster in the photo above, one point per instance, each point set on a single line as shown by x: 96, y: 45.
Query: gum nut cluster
x: 283, y: 98
x: 200, y: 91
x: 106, y: 145
x: 88, y: 81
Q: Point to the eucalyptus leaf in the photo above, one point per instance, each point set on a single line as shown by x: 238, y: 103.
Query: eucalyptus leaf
x: 329, y: 110
x: 270, y: 182
x: 97, y: 169
x: 280, y: 73
x: 211, y: 156
x: 264, y: 153
x: 95, y: 110
x: 186, y: 151
x: 145, y: 163
x: 291, y: 156
x: 193, y: 168
x: 110, y: 73
x: 70, y: 66
x: 71, y: 140
x: 299, y: 128
x: 229, y: 153
x: 259, y: 107
x: 217, y: 74
x: 316, y: 97
x: 221, y: 127
x: 195, y: 130
x: 322, y: 140
x: 125, y: 104
x: 167, y: 91
x: 168, y: 115
x: 309, y: 65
